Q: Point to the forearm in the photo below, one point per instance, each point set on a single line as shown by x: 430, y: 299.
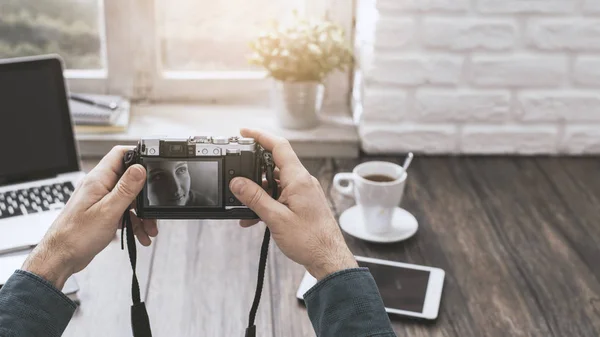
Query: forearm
x: 348, y: 303
x: 51, y: 264
x: 31, y: 306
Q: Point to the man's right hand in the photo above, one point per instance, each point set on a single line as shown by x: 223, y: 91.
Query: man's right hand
x: 300, y: 221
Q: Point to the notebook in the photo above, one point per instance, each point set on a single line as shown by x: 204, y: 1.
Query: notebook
x: 88, y: 114
x: 120, y: 125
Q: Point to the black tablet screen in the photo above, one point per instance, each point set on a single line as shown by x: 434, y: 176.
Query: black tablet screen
x: 400, y: 288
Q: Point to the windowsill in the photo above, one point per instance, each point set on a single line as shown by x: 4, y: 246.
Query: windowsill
x: 336, y: 136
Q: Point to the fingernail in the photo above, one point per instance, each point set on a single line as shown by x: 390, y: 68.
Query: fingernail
x: 237, y: 186
x: 137, y: 173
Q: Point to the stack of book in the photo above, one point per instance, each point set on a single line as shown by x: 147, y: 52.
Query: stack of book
x: 99, y: 113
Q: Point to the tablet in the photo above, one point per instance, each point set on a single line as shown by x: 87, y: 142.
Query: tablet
x: 406, y: 289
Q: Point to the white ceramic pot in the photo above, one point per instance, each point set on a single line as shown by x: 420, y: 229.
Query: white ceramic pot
x: 297, y: 104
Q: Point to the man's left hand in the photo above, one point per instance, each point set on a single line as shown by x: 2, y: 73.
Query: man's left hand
x: 90, y: 220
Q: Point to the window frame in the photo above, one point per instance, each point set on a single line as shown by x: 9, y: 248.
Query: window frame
x: 118, y: 75
x: 132, y: 66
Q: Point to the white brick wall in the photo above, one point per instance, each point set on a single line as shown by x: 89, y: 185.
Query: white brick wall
x: 381, y: 101
x: 479, y: 76
x: 518, y: 71
x: 591, y: 6
x: 404, y: 6
x: 575, y: 34
x: 581, y: 139
x: 445, y: 106
x: 385, y: 137
x: 414, y: 70
x: 552, y: 106
x: 498, y: 139
x: 464, y: 35
x: 526, y: 6
x: 586, y: 71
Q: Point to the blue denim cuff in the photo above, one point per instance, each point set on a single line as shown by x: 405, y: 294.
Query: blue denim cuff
x: 31, y: 306
x: 347, y: 303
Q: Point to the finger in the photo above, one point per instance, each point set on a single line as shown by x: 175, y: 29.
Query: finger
x: 147, y: 225
x: 126, y: 190
x: 150, y: 227
x: 258, y: 200
x: 265, y: 182
x: 249, y: 222
x: 276, y: 173
x: 283, y: 154
x: 138, y: 231
x: 112, y: 165
x: 265, y: 185
x: 267, y: 140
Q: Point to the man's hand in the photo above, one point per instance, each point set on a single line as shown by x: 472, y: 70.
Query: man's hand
x: 301, y: 222
x: 90, y: 219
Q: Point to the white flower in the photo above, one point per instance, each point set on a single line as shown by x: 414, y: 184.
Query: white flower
x: 315, y: 49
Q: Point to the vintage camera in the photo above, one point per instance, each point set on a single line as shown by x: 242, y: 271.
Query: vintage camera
x: 188, y: 178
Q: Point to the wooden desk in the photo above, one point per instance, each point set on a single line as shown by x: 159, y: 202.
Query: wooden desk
x: 519, y: 239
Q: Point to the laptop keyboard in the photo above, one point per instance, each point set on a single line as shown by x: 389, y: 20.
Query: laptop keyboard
x: 35, y: 199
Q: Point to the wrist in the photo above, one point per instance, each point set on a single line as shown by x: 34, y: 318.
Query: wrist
x: 50, y: 264
x: 331, y: 264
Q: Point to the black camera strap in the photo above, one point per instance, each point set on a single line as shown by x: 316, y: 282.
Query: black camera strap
x: 262, y: 265
x: 264, y: 249
x: 140, y: 322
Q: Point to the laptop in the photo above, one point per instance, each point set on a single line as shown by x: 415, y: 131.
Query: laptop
x: 39, y: 165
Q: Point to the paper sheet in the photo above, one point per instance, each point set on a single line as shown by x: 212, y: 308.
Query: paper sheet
x: 10, y: 263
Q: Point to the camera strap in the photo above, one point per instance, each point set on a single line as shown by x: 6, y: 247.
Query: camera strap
x: 140, y: 322
x: 264, y: 249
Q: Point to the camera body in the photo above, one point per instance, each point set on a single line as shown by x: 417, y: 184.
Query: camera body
x: 188, y: 178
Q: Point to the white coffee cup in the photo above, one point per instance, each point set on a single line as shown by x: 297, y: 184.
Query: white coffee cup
x: 376, y: 199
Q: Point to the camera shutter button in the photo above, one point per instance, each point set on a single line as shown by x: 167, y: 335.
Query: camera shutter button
x: 246, y: 141
x: 217, y: 151
x: 220, y: 140
x: 204, y: 151
x: 152, y: 151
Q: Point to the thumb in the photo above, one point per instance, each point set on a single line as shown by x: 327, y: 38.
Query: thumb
x: 127, y: 189
x: 257, y: 199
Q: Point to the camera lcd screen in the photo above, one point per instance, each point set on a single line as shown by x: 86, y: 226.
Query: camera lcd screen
x: 183, y: 183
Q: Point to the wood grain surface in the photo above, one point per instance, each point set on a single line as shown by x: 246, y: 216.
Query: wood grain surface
x: 105, y: 292
x: 519, y: 239
x: 204, y: 276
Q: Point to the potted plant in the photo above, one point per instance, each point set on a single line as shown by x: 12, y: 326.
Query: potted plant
x: 299, y: 56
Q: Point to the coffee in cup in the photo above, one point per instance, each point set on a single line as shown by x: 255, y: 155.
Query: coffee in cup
x: 377, y: 187
x: 379, y: 178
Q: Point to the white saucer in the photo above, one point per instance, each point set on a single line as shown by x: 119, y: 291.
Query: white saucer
x: 404, y: 225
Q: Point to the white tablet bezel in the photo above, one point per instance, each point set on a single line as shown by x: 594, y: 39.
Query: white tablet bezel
x: 433, y: 295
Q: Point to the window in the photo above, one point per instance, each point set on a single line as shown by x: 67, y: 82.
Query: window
x: 160, y: 50
x: 71, y: 28
x: 196, y: 37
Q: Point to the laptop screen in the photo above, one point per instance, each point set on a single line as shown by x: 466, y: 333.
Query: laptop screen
x: 36, y: 136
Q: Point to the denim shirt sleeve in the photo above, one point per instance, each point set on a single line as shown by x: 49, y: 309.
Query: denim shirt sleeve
x: 31, y: 306
x: 348, y: 303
